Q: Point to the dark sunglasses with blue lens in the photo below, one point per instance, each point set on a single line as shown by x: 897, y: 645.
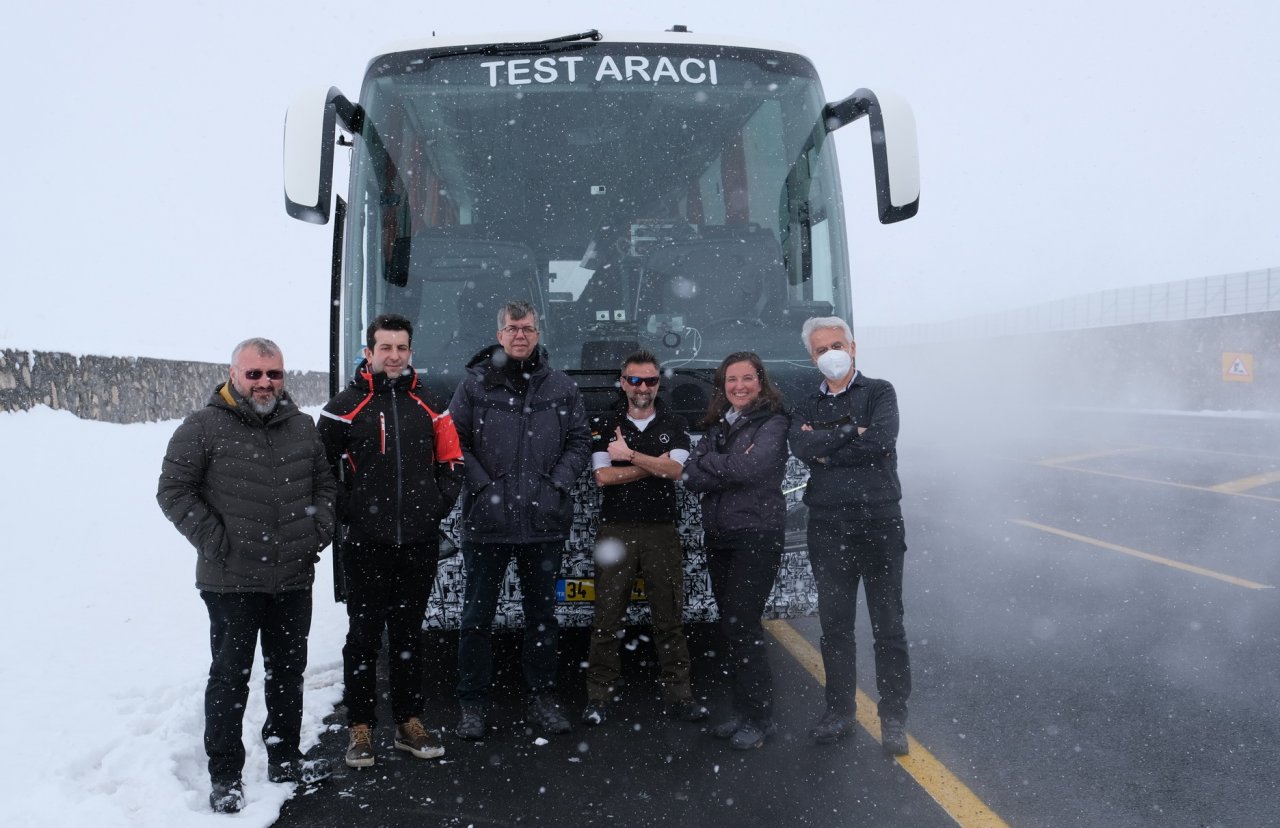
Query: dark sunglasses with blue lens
x: 652, y: 382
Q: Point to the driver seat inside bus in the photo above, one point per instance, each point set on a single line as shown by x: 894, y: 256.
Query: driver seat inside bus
x: 716, y: 279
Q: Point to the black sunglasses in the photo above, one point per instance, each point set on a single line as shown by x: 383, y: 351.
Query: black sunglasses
x: 256, y: 374
x: 652, y: 382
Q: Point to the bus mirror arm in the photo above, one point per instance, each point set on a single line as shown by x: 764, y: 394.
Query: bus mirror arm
x: 308, y: 164
x: 893, y: 148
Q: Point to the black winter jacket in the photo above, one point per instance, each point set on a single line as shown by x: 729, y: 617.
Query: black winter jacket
x: 739, y: 469
x: 254, y: 496
x: 524, y: 453
x: 395, y: 453
x: 855, y: 474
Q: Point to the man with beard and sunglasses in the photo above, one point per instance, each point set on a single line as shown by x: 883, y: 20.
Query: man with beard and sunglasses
x: 638, y: 452
x: 246, y: 481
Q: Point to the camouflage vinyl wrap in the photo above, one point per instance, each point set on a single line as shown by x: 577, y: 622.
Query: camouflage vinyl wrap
x: 793, y: 593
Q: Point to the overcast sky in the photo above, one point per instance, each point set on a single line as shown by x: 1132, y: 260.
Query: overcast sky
x: 1065, y: 147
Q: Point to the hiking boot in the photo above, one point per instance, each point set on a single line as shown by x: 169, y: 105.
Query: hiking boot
x: 227, y: 797
x: 419, y: 741
x: 300, y: 771
x: 595, y: 713
x: 545, y: 712
x: 360, y: 747
x: 893, y: 736
x: 728, y: 727
x: 751, y: 735
x: 687, y: 710
x: 831, y: 728
x: 471, y: 724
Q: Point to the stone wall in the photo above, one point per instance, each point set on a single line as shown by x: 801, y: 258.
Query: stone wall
x: 125, y: 389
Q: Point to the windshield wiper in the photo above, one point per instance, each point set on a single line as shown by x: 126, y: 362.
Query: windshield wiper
x: 536, y: 46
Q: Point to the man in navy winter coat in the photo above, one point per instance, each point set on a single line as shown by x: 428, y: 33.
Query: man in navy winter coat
x: 524, y: 435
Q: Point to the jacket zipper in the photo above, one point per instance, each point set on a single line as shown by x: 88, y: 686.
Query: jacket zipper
x: 526, y: 526
x: 395, y: 421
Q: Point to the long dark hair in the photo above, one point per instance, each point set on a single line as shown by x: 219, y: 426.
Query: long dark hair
x: 770, y: 398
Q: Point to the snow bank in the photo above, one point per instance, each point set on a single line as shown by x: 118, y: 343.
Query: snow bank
x: 106, y: 639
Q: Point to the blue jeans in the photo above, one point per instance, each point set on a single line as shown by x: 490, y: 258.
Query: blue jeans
x: 537, y: 567
x: 844, y: 552
x: 236, y: 619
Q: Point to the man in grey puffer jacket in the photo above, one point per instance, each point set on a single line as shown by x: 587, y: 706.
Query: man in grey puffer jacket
x: 245, y: 479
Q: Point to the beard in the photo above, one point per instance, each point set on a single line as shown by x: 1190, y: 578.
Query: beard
x: 262, y: 409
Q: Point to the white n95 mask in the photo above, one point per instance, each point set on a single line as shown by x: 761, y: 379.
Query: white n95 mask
x: 835, y: 364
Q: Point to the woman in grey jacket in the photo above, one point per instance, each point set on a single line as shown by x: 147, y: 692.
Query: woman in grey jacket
x: 738, y: 469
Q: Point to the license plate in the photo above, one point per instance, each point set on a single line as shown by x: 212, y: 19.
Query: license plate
x: 575, y: 589
x: 584, y: 589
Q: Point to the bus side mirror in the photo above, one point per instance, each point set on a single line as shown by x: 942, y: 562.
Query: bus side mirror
x: 308, y: 163
x: 893, y: 148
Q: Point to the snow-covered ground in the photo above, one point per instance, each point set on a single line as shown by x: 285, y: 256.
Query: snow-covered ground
x: 106, y: 640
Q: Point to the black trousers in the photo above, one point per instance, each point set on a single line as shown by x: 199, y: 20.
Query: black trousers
x: 387, y: 587
x: 236, y: 620
x: 743, y: 568
x: 843, y: 553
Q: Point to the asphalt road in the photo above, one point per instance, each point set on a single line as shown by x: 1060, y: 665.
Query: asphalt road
x: 1094, y: 625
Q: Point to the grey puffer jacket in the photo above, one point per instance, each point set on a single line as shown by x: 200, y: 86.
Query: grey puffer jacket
x: 523, y: 452
x: 253, y: 495
x: 738, y: 469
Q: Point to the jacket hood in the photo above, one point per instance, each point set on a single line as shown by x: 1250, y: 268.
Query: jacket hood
x: 486, y: 353
x: 366, y: 380
x: 226, y: 396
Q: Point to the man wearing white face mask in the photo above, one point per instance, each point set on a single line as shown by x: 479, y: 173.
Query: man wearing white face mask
x: 847, y: 432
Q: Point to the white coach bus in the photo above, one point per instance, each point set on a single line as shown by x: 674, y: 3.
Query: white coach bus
x: 670, y: 191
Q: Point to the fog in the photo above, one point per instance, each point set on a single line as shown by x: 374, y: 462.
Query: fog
x: 1091, y: 514
x: 1065, y: 148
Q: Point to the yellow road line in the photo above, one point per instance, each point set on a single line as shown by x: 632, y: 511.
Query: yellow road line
x: 1075, y: 458
x: 1246, y: 483
x: 960, y: 803
x: 1153, y: 480
x: 1146, y: 556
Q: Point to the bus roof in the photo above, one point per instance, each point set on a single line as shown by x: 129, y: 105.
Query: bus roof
x: 688, y: 38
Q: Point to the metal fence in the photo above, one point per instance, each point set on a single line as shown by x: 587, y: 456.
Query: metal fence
x: 1234, y: 293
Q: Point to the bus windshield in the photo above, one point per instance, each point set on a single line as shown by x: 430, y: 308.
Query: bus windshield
x: 679, y: 198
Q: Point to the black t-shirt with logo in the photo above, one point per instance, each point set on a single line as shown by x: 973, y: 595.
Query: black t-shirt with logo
x: 650, y: 499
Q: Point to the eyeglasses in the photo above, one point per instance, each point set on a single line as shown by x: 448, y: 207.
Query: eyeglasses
x: 256, y: 374
x: 520, y: 329
x: 652, y: 382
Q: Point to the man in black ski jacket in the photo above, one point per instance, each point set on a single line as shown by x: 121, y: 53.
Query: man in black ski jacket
x: 523, y: 429
x: 396, y: 454
x: 847, y: 433
x: 245, y: 480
